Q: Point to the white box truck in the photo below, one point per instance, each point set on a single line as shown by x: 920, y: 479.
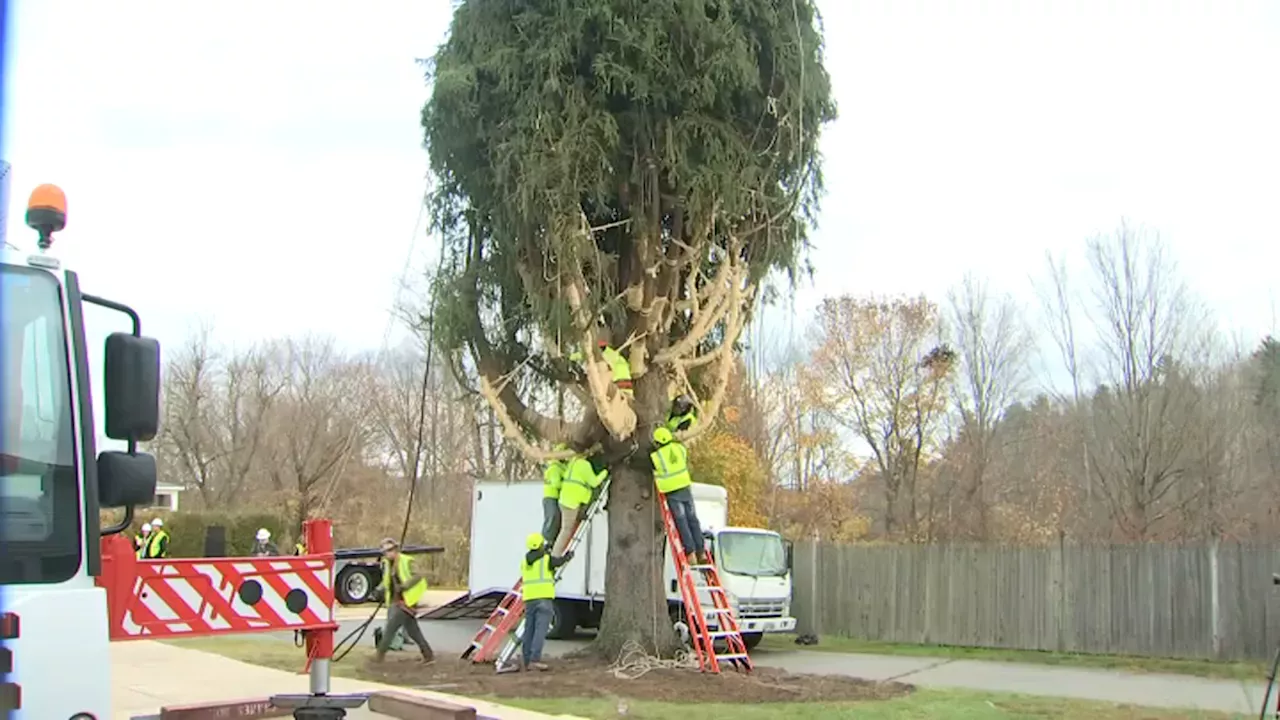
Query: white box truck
x: 755, y: 564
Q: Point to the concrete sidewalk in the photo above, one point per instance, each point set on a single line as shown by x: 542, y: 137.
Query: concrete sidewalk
x: 148, y: 675
x: 1151, y: 690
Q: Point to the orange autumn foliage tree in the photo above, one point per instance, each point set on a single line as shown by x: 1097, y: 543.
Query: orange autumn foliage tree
x: 880, y: 372
x: 825, y: 509
x: 725, y: 459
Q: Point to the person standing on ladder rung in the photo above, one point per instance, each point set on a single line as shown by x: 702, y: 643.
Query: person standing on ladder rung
x: 578, y: 483
x: 538, y: 589
x: 552, y: 481
x: 671, y: 473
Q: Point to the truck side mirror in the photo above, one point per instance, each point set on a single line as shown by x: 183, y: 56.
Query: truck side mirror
x: 790, y: 550
x: 125, y: 479
x: 132, y: 383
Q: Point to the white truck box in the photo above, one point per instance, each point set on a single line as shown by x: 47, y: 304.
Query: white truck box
x: 504, y: 514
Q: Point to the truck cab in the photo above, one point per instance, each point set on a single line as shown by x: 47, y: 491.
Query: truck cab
x: 53, y: 482
x: 754, y: 564
x: 755, y: 567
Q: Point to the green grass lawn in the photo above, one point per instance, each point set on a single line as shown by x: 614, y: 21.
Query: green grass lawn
x: 931, y: 704
x: 1255, y: 671
x: 922, y: 705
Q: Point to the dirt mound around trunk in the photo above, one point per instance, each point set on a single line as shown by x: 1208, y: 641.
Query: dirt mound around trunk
x: 581, y: 678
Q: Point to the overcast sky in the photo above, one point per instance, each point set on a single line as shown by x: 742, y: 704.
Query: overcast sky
x: 257, y: 165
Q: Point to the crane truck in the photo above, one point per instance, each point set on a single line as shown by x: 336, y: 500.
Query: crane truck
x: 68, y: 581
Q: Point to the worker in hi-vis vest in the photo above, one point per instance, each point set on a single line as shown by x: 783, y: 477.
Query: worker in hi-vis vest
x: 552, y: 480
x: 577, y: 484
x: 538, y: 590
x: 140, y: 541
x: 619, y: 367
x: 402, y: 590
x: 157, y: 542
x: 683, y: 415
x: 671, y: 474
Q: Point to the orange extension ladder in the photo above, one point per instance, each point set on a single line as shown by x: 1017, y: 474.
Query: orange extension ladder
x: 506, y: 622
x: 702, y: 637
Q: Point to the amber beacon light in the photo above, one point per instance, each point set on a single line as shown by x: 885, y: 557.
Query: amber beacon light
x: 47, y: 212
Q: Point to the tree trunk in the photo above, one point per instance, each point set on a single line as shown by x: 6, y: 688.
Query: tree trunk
x: 636, y: 605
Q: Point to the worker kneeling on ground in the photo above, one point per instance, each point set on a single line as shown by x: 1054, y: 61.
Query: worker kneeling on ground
x: 538, y: 589
x: 552, y: 481
x: 671, y: 474
x: 578, y: 482
x: 402, y: 591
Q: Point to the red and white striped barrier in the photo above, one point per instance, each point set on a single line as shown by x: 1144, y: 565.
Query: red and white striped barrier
x: 152, y: 599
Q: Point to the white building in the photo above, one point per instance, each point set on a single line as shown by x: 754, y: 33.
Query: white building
x: 166, y: 497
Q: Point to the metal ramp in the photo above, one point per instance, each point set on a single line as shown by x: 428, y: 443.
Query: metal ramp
x: 472, y: 606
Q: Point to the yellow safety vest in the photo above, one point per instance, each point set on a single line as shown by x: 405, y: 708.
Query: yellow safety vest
x: 578, y: 482
x: 620, y: 368
x: 671, y: 467
x: 299, y: 549
x: 140, y: 546
x: 537, y: 580
x: 404, y: 567
x: 552, y: 478
x: 153, y: 543
x: 674, y: 422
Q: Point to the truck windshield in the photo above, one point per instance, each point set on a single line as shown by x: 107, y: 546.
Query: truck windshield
x: 755, y: 554
x: 39, y: 489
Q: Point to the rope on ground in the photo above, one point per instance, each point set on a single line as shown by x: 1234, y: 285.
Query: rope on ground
x: 634, y: 661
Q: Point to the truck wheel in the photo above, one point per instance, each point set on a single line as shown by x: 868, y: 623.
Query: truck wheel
x: 751, y: 640
x: 564, y: 620
x: 355, y: 585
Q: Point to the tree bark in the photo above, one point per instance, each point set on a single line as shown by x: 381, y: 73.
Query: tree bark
x: 636, y: 606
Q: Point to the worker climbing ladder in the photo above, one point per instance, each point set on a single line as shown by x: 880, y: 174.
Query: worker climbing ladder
x: 506, y: 622
x: 701, y: 636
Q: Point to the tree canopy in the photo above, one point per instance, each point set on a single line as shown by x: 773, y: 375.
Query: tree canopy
x: 618, y: 170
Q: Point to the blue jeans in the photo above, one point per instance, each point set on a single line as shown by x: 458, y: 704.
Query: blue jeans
x: 537, y: 621
x: 680, y: 502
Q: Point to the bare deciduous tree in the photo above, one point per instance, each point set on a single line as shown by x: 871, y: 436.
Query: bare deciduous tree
x: 992, y: 346
x: 1148, y: 325
x: 216, y: 416
x: 319, y: 421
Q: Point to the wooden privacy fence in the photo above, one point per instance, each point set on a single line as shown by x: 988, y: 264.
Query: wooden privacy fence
x: 1207, y: 601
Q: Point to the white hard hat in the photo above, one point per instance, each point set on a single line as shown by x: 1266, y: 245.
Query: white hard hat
x: 264, y: 534
x: 157, y: 523
x: 146, y: 527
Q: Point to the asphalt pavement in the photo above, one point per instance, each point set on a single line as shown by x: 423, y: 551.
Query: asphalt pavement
x: 1152, y: 690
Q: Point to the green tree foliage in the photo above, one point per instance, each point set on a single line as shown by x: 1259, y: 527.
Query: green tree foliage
x: 620, y: 171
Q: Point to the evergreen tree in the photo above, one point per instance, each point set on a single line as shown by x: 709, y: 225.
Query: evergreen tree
x: 627, y: 171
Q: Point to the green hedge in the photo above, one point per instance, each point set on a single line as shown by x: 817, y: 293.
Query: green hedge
x: 187, y: 530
